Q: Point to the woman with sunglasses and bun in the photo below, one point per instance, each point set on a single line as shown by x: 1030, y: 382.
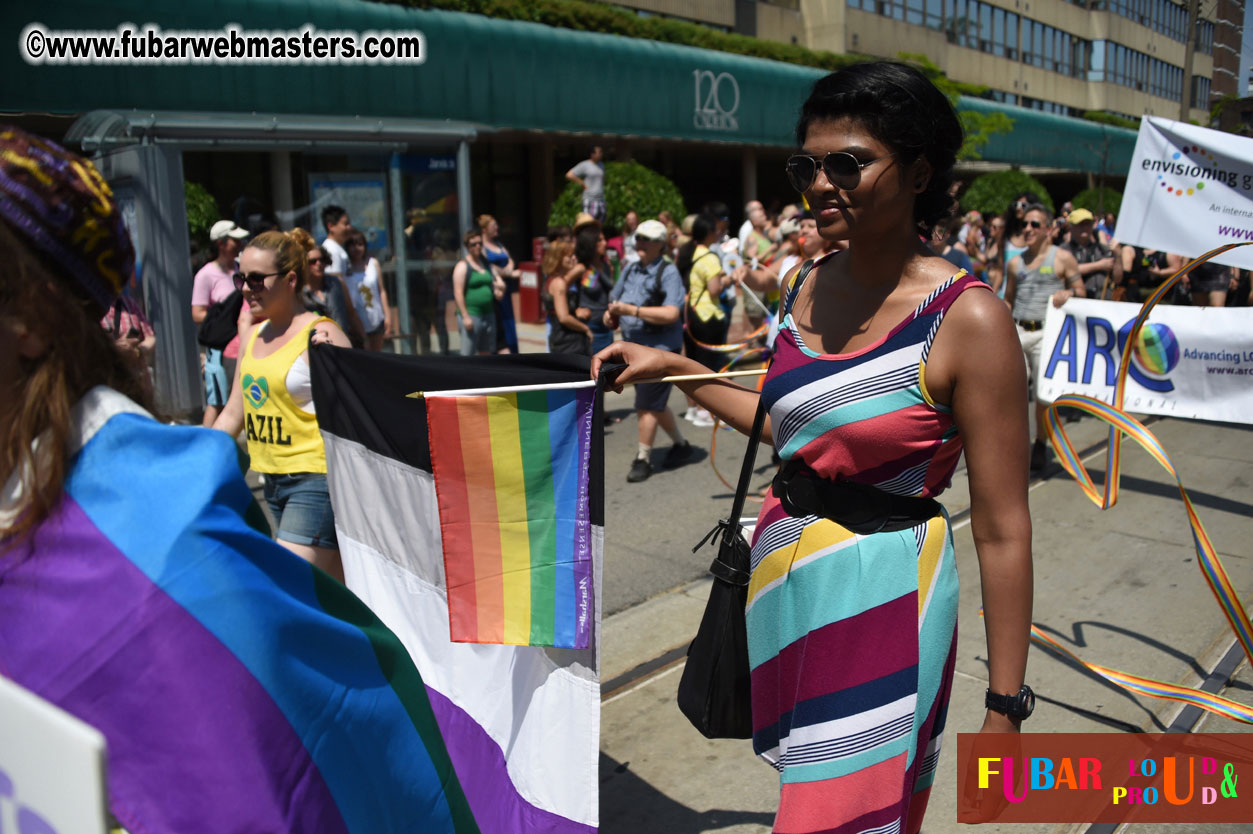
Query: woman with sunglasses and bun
x: 888, y: 364
x: 272, y: 397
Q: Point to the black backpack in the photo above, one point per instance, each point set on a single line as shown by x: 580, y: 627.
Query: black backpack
x: 219, y: 325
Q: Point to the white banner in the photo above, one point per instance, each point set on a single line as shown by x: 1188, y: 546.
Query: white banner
x: 1189, y: 190
x: 1190, y: 362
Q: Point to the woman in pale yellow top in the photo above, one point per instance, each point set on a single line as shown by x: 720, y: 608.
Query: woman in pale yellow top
x: 272, y: 398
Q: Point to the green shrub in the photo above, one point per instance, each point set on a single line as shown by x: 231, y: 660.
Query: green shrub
x: 629, y: 186
x: 602, y: 17
x: 202, y: 211
x: 1098, y: 200
x: 1110, y: 119
x: 992, y: 193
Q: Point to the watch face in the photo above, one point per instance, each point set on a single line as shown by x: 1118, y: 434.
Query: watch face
x: 1026, y: 700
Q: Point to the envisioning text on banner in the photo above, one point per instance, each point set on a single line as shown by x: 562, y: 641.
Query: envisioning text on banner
x: 1190, y: 362
x: 1189, y: 190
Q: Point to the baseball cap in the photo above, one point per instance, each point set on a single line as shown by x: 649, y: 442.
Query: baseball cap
x: 59, y: 204
x: 651, y: 230
x: 227, y: 228
x: 1079, y: 216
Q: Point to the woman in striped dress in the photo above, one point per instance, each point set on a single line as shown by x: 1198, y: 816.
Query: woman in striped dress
x: 852, y: 633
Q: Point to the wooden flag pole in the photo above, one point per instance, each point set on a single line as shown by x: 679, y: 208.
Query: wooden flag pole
x: 467, y: 392
x: 698, y: 377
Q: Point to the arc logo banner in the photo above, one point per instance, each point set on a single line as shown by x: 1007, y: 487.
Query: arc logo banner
x: 1189, y: 190
x: 1190, y: 362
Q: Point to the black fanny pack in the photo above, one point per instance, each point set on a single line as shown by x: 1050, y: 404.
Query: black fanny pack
x: 860, y: 508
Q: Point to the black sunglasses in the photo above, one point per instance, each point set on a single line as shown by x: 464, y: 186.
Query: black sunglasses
x: 1035, y: 224
x: 843, y: 170
x: 254, y: 280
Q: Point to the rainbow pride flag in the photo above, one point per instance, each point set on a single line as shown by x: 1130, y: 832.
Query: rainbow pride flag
x: 511, y: 479
x: 521, y: 723
x: 238, y: 687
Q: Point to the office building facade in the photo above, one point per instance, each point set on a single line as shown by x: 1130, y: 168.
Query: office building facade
x: 1126, y: 57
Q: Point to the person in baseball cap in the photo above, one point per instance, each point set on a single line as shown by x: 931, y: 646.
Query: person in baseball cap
x: 653, y: 230
x: 1078, y: 216
x: 226, y: 228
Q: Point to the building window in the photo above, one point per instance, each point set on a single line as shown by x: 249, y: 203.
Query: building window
x: 1205, y: 37
x: 1200, y: 92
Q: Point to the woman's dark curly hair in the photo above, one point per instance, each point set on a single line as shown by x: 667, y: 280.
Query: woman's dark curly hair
x: 904, y: 111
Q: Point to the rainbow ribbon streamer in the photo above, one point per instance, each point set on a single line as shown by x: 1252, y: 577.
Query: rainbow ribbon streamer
x: 1120, y: 423
x: 731, y: 348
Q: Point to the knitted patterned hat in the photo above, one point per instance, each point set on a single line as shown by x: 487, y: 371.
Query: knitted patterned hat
x: 58, y: 202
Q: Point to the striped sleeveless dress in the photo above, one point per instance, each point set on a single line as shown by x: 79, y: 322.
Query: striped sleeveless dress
x: 852, y: 638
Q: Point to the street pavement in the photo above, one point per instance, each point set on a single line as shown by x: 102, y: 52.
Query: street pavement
x: 1119, y: 587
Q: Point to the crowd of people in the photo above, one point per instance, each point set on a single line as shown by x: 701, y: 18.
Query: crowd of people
x: 986, y: 244
x: 673, y: 286
x: 1032, y: 258
x: 869, y: 403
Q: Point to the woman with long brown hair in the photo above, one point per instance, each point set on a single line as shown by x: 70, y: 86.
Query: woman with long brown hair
x: 567, y: 333
x: 136, y: 593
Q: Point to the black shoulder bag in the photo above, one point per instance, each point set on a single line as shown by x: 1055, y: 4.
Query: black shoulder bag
x: 219, y: 325
x: 715, y: 692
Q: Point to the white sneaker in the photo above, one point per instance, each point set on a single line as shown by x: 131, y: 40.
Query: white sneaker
x: 703, y: 419
x: 690, y: 414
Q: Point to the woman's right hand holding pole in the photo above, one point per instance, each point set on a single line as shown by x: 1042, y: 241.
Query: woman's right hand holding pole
x: 730, y: 402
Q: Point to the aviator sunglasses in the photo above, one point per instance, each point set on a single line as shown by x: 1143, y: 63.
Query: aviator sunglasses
x: 843, y: 170
x: 254, y: 280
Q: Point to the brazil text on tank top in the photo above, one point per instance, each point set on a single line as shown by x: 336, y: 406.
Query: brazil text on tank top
x: 283, y: 439
x: 1035, y: 287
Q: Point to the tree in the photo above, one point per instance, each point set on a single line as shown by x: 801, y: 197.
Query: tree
x: 978, y: 127
x: 202, y: 211
x: 992, y: 193
x: 629, y: 186
x: 1098, y: 200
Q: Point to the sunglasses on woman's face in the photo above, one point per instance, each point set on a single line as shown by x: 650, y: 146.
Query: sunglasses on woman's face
x: 843, y: 170
x: 316, y: 259
x: 254, y: 280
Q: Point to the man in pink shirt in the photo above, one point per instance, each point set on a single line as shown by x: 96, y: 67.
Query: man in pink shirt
x: 213, y: 284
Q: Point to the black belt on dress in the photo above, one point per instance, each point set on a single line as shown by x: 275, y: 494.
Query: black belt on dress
x: 1030, y: 325
x: 861, y: 508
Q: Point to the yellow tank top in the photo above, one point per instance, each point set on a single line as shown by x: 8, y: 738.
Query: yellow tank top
x: 282, y: 438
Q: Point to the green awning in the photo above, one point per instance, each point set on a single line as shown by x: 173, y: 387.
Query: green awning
x: 501, y: 74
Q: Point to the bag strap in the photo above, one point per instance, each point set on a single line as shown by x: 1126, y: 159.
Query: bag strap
x: 746, y: 473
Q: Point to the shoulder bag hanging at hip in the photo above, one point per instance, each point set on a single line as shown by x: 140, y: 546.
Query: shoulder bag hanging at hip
x: 715, y: 691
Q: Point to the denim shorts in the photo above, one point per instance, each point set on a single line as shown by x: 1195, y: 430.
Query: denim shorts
x: 217, y: 385
x: 480, y: 340
x: 301, y: 504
